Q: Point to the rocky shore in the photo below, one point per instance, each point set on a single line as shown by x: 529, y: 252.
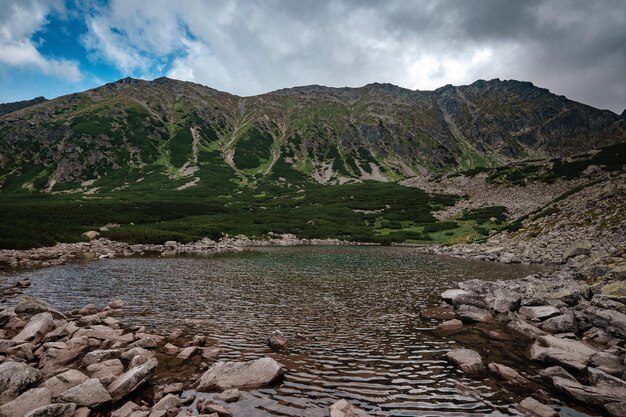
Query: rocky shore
x: 574, y: 327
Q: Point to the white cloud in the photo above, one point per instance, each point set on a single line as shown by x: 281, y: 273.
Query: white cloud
x: 18, y: 22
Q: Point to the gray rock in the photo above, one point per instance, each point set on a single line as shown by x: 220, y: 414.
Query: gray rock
x: 15, y: 378
x: 524, y: 329
x: 470, y: 314
x: 277, y: 340
x: 176, y: 388
x: 60, y: 383
x: 36, y: 329
x: 126, y: 410
x: 56, y: 357
x: 229, y: 396
x: 569, y: 353
x: 535, y: 408
x: 601, y: 379
x: 187, y: 352
x: 586, y: 394
x: 539, y: 312
x: 90, y: 394
x: 208, y: 406
x: 251, y: 374
x: 27, y: 402
x: 607, y: 362
x: 505, y: 302
x: 343, y: 408
x: 53, y: 410
x: 449, y: 295
x: 509, y: 374
x: 469, y: 361
x: 449, y: 326
x: 97, y: 356
x: 31, y: 305
x: 132, y: 379
x: 136, y: 351
x: 581, y: 247
x: 612, y: 321
x: 470, y: 299
x: 563, y: 323
x: 553, y: 371
x: 616, y: 409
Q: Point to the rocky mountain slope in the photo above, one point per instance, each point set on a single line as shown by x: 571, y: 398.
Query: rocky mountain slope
x: 18, y: 105
x: 177, y: 134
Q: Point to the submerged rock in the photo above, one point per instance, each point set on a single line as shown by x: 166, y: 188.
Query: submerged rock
x: 343, y: 408
x: 535, y: 408
x: 251, y: 374
x: 277, y: 340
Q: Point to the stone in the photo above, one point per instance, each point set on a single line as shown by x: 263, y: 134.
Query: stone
x: 469, y: 361
x: 563, y: 323
x: 82, y: 412
x: 553, y: 371
x: 277, y: 340
x: 55, y: 358
x: 524, y: 329
x: 31, y: 305
x: 106, y: 371
x: 449, y: 326
x: 470, y: 314
x: 251, y: 374
x: 449, y: 295
x: 211, y: 353
x: 601, y: 379
x: 176, y: 388
x: 539, y: 312
x: 62, y: 382
x: 535, y: 408
x: 100, y: 332
x: 509, y: 374
x: 90, y: 393
x: 53, y: 410
x: 616, y: 409
x: 170, y: 349
x: 126, y: 410
x: 96, y: 356
x: 27, y: 402
x: 566, y: 352
x: 505, y: 302
x: 586, y: 394
x: 132, y: 379
x: 136, y: 351
x: 343, y: 408
x: 146, y: 343
x: 208, y: 406
x: 578, y: 248
x: 187, y: 352
x: 607, y: 362
x: 36, y: 329
x: 15, y: 378
x: 166, y: 403
x: 229, y: 396
x: 612, y: 321
x: 117, y: 304
x: 88, y: 309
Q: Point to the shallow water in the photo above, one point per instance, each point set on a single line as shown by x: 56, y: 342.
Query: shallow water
x: 357, y: 319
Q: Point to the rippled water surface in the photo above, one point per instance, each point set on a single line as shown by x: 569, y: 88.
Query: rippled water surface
x: 358, y: 320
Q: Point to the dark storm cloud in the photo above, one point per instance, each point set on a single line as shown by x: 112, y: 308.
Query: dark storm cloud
x: 575, y: 48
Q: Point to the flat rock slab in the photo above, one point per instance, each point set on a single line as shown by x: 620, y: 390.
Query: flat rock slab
x: 250, y: 374
x: 586, y: 394
x: 37, y: 327
x: 539, y: 312
x: 566, y: 352
x: 60, y: 383
x: 129, y: 381
x: 469, y: 361
x: 90, y: 393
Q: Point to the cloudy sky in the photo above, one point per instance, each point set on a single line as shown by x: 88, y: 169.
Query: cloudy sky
x: 573, y: 47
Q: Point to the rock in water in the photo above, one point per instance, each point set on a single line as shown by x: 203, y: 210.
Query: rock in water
x: 129, y: 381
x: 277, y: 340
x: 566, y: 352
x: 343, y: 408
x: 251, y: 374
x: 535, y: 408
x: 15, y: 378
x: 229, y: 396
x: 468, y: 360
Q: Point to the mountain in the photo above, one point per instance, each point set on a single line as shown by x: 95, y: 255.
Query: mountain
x: 18, y: 105
x: 111, y: 136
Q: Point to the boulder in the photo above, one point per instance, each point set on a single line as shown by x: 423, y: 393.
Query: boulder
x: 15, y: 378
x: 56, y: 357
x: 90, y: 393
x: 524, y: 329
x: 563, y: 323
x: 64, y: 381
x: 469, y: 361
x: 175, y: 388
x: 250, y: 374
x: 187, y: 352
x: 343, y: 408
x: 136, y: 351
x: 612, y: 321
x: 607, y: 362
x: 170, y: 401
x: 553, y: 371
x: 132, y: 379
x: 470, y: 314
x: 578, y: 248
x: 53, y: 410
x: 566, y: 352
x: 97, y: 356
x: 535, y: 408
x: 601, y: 379
x: 117, y: 304
x: 31, y: 305
x: 106, y: 371
x: 27, y: 402
x: 126, y: 410
x: 449, y: 326
x: 509, y: 374
x: 36, y: 329
x: 470, y: 299
x: 539, y: 312
x: 586, y: 394
x: 505, y: 302
x: 616, y: 409
x: 277, y: 340
x: 449, y: 295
